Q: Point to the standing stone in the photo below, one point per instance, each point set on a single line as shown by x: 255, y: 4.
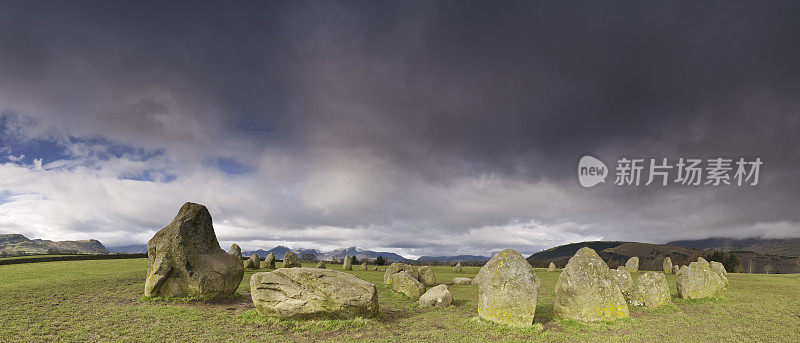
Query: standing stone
x: 269, y: 261
x: 667, y: 265
x: 184, y: 259
x: 632, y: 265
x: 396, y: 268
x: 651, y: 291
x: 623, y: 280
x: 311, y: 293
x: 720, y: 270
x: 321, y: 265
x: 697, y: 281
x: 457, y: 268
x: 407, y: 284
x: 254, y: 262
x: 375, y: 269
x: 675, y: 269
x: 290, y: 260
x: 462, y: 281
x: 438, y: 296
x: 364, y: 266
x: 426, y: 276
x: 236, y: 251
x: 348, y: 263
x: 586, y: 291
x: 551, y: 267
x: 507, y: 290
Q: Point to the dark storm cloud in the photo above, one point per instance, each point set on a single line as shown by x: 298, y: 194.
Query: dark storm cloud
x: 435, y: 117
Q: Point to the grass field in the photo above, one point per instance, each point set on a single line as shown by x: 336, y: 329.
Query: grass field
x: 81, y: 301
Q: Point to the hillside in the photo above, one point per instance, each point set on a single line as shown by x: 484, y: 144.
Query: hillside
x: 782, y: 246
x: 19, y: 244
x: 336, y: 254
x: 471, y: 259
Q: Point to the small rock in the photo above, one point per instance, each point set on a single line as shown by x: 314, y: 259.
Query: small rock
x: 438, y: 296
x: 462, y: 281
x: 457, y: 268
x: 698, y: 280
x: 321, y: 265
x: 407, y: 284
x: 396, y: 268
x: 667, y: 265
x: 254, y: 262
x: 623, y: 280
x: 551, y: 267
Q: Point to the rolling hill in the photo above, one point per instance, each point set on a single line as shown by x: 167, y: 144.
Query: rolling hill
x: 781, y: 246
x: 19, y: 244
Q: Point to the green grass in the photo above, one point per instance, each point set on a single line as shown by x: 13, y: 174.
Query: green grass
x: 79, y: 301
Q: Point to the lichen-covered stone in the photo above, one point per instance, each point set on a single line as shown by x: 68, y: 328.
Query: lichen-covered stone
x: 720, y: 270
x: 269, y: 261
x: 667, y: 265
x: 407, y: 284
x: 364, y: 266
x: 651, y: 290
x: 457, y: 268
x: 311, y: 293
x: 321, y: 265
x: 462, y: 281
x: 396, y: 268
x: 697, y: 281
x: 586, y: 291
x: 290, y: 260
x: 184, y: 259
x: 675, y: 269
x: 624, y: 281
x: 254, y: 262
x: 236, y: 251
x: 438, y: 296
x: 507, y: 290
x: 348, y: 263
x: 632, y: 265
x: 551, y: 267
x: 426, y: 276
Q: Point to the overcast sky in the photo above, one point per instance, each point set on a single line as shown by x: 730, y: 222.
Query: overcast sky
x: 423, y: 128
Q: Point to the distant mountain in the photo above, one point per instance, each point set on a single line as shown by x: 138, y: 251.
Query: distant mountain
x: 783, y: 246
x: 280, y: 252
x: 453, y: 259
x: 130, y: 249
x: 16, y: 244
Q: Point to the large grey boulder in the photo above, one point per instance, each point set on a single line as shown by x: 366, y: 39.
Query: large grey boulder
x: 720, y: 270
x: 438, y: 296
x: 651, y: 290
x: 624, y: 281
x: 698, y: 280
x: 587, y: 292
x: 269, y: 261
x: 407, y: 284
x: 290, y: 260
x: 254, y: 262
x: 632, y: 265
x: 236, y: 251
x: 507, y: 290
x: 551, y: 267
x: 667, y: 265
x: 396, y: 268
x: 457, y: 268
x: 426, y: 276
x: 348, y: 263
x: 462, y: 281
x: 184, y: 259
x: 310, y: 293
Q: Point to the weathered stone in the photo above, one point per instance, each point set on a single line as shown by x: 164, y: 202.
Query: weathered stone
x: 507, y: 290
x: 632, y: 265
x: 290, y: 260
x: 348, y: 263
x: 651, y: 290
x: 310, y: 293
x: 462, y: 281
x: 236, y: 251
x: 586, y: 291
x: 551, y: 267
x: 667, y: 264
x: 624, y: 281
x: 426, y: 276
x: 675, y: 269
x: 396, y: 268
x: 457, y: 268
x: 720, y: 270
x: 407, y: 284
x: 254, y: 262
x: 184, y: 259
x: 697, y: 281
x: 364, y: 266
x: 438, y: 296
x: 269, y: 261
x: 321, y: 265
x: 375, y: 269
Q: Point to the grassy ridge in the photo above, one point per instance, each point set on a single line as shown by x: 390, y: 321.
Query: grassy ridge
x: 81, y: 301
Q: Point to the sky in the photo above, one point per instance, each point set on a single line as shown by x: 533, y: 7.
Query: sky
x: 422, y: 128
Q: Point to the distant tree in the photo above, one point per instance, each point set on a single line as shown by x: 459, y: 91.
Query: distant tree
x: 732, y: 263
x: 355, y: 260
x: 380, y: 261
x: 768, y: 269
x: 308, y: 257
x: 718, y: 256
